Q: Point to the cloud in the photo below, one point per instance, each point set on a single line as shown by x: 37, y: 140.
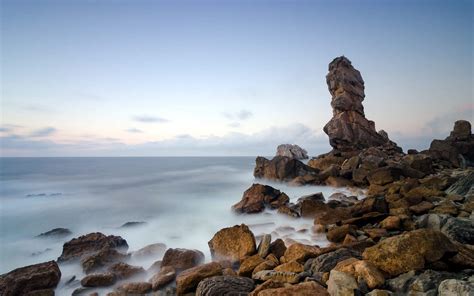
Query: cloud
x: 149, y: 119
x: 234, y: 124
x: 7, y: 128
x: 231, y: 144
x: 134, y: 130
x: 239, y: 115
x: 37, y: 108
x: 44, y: 132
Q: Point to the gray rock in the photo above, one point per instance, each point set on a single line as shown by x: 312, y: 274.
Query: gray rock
x: 459, y: 229
x: 291, y: 151
x: 341, y: 284
x: 225, y: 285
x: 401, y: 283
x: 463, y: 185
x: 326, y: 262
x: 428, y: 281
x: 456, y: 287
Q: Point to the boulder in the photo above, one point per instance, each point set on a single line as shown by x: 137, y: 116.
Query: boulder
x: 150, y: 251
x: 312, y: 205
x: 99, y: 280
x: 124, y: 271
x: 265, y: 265
x: 264, y: 245
x: 84, y: 245
x: 102, y: 259
x: 429, y: 281
x: 282, y: 168
x: 301, y: 289
x: 459, y: 229
x: 291, y: 151
x: 362, y: 269
x: 384, y: 175
x: 278, y: 248
x: 278, y: 276
x: 258, y: 197
x: 462, y: 185
x: 337, y: 234
x: 28, y: 279
x: 181, y: 259
x: 341, y: 284
x: 326, y: 262
x: 163, y: 277
x: 224, y: 285
x: 135, y: 288
x: 301, y: 252
x: 232, y: 243
x: 248, y: 265
x: 291, y: 266
x: 456, y: 287
x: 188, y: 280
x: 409, y: 251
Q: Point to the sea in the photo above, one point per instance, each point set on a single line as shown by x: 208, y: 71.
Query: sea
x: 183, y: 202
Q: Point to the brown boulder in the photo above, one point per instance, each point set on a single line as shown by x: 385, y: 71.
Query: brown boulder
x: 225, y: 285
x: 163, y: 277
x: 28, y: 279
x: 337, y: 234
x: 278, y: 248
x: 364, y: 269
x: 300, y: 252
x: 91, y: 243
x: 301, y: 289
x: 99, y: 280
x: 135, y: 288
x: 291, y: 266
x: 384, y: 175
x: 125, y: 271
x: 259, y: 196
x: 409, y: 251
x: 181, y: 259
x: 101, y: 259
x: 232, y: 243
x: 282, y: 168
x: 151, y: 251
x: 248, y: 265
x: 188, y: 280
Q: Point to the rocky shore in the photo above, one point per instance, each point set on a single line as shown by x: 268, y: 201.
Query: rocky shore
x: 412, y: 234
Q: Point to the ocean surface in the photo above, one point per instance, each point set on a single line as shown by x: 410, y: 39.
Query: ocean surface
x: 183, y: 200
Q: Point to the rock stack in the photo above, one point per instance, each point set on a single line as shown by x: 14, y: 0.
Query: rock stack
x: 348, y: 129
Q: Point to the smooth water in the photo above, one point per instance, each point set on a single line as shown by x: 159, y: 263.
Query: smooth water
x: 183, y: 200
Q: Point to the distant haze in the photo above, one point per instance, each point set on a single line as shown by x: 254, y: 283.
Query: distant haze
x: 217, y: 78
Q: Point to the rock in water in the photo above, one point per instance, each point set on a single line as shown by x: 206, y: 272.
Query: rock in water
x: 259, y: 196
x: 291, y: 151
x: 29, y: 279
x: 232, y: 243
x: 348, y: 129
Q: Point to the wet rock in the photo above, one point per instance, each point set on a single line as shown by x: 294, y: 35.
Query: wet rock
x: 391, y: 223
x: 278, y: 276
x: 181, y: 259
x: 163, y: 277
x: 300, y: 252
x: 369, y: 205
x: 282, y: 169
x: 409, y: 251
x: 456, y: 287
x: 101, y: 260
x: 150, y: 251
x: 188, y: 280
x: 56, y: 233
x: 384, y: 175
x: 91, y: 243
x: 362, y: 269
x: 291, y: 151
x: 266, y: 265
x: 28, y: 279
x: 264, y: 245
x: 135, y: 288
x: 233, y: 243
x: 338, y: 233
x: 301, y: 289
x: 99, y: 280
x: 341, y: 284
x: 291, y: 266
x: 278, y: 248
x: 311, y: 205
x: 326, y: 262
x: 248, y: 265
x: 459, y: 229
x: 258, y: 197
x: 124, y: 271
x: 225, y: 285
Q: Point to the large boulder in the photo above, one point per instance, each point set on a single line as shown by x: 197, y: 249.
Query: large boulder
x: 282, y: 168
x: 85, y: 245
x: 362, y: 269
x: 341, y: 284
x: 102, y: 259
x: 225, y: 285
x: 99, y: 280
x: 232, y: 243
x: 29, y: 279
x: 188, y: 280
x: 181, y: 259
x: 258, y: 197
x: 291, y: 151
x: 348, y: 129
x: 409, y: 251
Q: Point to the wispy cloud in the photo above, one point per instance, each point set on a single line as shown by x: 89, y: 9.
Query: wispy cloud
x: 134, y: 130
x: 149, y: 119
x: 37, y: 108
x: 234, y: 124
x: 43, y: 132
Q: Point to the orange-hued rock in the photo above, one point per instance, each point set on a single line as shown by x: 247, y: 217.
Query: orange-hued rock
x: 360, y: 268
x: 188, y: 280
x: 232, y: 243
x: 301, y: 289
x: 300, y: 252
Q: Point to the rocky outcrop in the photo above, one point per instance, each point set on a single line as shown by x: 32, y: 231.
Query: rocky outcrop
x: 291, y: 151
x: 349, y: 129
x: 258, y: 197
x: 30, y: 279
x: 84, y: 245
x: 233, y: 243
x: 282, y: 168
x: 457, y: 149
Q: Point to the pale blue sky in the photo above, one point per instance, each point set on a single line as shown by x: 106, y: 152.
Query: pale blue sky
x: 224, y: 77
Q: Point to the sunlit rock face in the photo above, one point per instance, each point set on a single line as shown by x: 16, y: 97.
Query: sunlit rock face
x: 348, y: 129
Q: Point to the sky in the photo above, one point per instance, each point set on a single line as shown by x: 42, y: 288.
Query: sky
x: 224, y: 78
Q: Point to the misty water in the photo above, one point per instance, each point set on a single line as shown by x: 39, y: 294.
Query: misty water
x: 184, y: 202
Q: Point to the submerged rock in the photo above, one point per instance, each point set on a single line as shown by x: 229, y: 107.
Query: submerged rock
x: 181, y: 259
x: 56, y: 233
x: 30, y: 279
x: 132, y: 224
x: 291, y: 151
